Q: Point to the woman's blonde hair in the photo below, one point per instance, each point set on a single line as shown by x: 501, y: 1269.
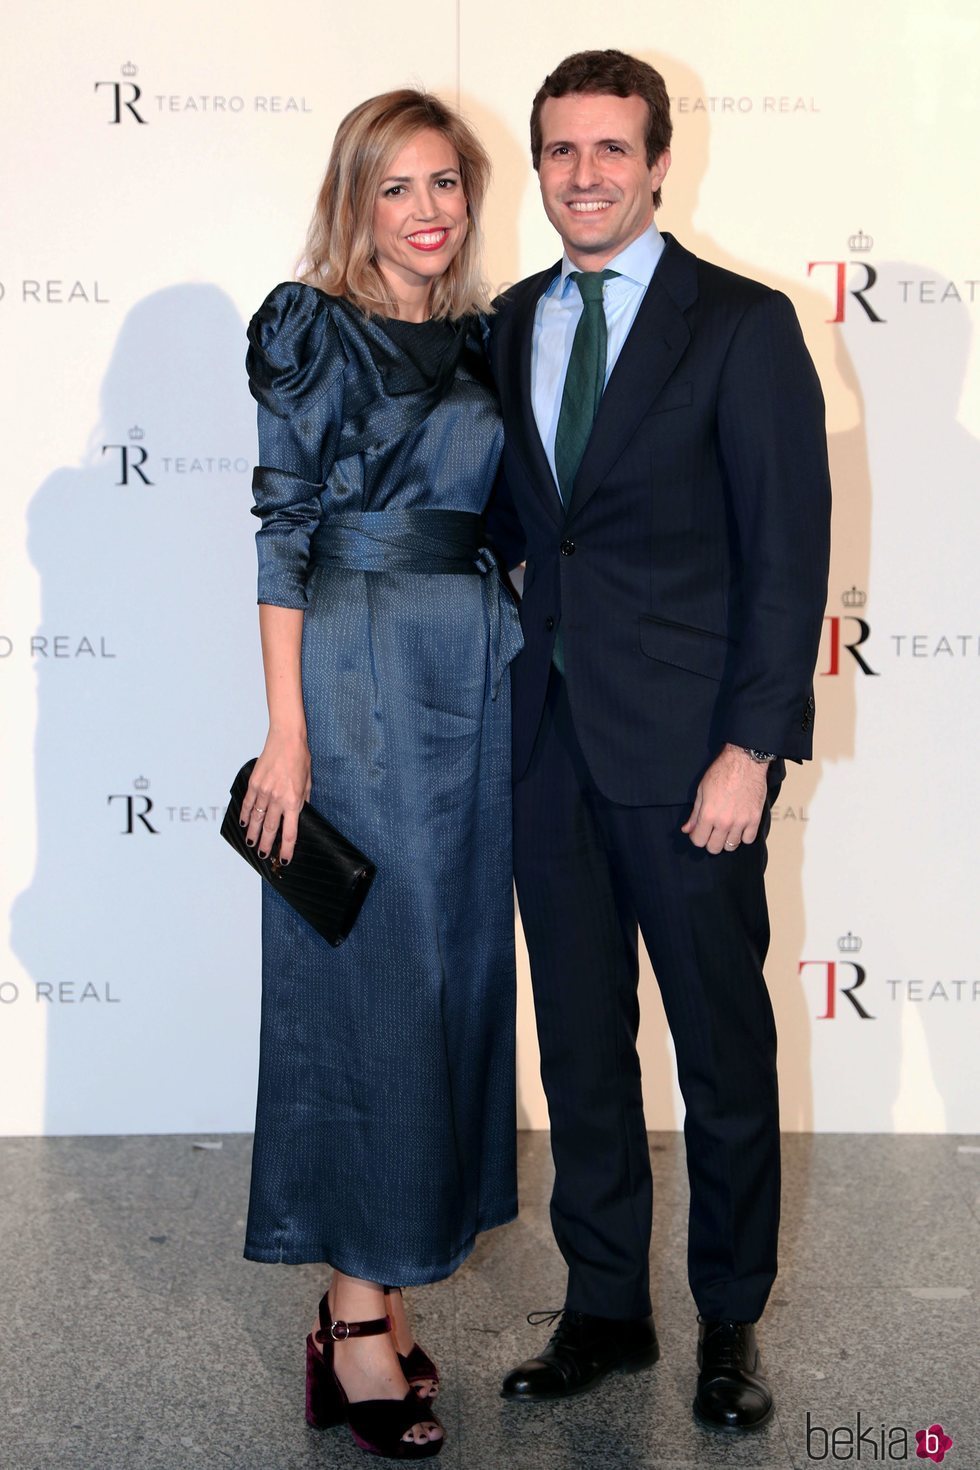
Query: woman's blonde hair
x: 340, y: 251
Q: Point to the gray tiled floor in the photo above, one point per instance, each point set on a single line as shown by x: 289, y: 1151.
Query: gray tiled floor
x: 133, y: 1334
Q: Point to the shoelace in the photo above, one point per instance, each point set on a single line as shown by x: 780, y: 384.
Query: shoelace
x: 538, y: 1319
x: 730, y: 1352
x: 567, y: 1321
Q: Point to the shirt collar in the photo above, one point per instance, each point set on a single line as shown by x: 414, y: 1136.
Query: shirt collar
x: 637, y: 262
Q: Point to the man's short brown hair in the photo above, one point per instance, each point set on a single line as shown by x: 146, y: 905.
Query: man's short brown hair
x: 611, y: 74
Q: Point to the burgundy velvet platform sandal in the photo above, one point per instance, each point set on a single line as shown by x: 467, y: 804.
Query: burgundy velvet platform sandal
x: 417, y: 1366
x: 377, y: 1425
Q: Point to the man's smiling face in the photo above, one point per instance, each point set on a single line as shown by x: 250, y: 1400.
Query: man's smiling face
x: 596, y: 184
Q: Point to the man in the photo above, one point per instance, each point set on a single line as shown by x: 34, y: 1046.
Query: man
x: 665, y: 477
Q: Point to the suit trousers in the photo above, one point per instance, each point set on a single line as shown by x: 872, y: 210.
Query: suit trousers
x: 589, y: 873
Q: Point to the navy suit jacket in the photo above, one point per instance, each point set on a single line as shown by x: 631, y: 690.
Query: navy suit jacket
x: 689, y: 570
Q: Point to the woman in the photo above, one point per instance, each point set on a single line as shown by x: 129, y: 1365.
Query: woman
x: 385, y: 1127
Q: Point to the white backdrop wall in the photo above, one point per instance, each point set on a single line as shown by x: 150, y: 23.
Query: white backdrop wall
x: 159, y: 168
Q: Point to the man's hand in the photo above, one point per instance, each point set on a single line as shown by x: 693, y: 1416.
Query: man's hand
x: 729, y: 802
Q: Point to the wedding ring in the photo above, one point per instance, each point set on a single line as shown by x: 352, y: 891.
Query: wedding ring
x: 260, y: 811
x: 731, y: 846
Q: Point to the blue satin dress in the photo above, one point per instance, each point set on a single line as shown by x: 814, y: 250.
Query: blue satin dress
x: 385, y: 1125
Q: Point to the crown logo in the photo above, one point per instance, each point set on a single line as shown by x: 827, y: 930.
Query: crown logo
x: 140, y: 784
x: 849, y: 943
x: 860, y: 243
x: 854, y: 597
x: 128, y: 69
x: 136, y: 434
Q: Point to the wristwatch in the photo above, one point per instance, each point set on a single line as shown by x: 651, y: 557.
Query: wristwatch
x: 761, y: 757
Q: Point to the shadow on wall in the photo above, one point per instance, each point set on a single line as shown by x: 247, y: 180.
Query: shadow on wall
x: 847, y: 442
x: 928, y: 465
x: 144, y: 709
x: 511, y: 161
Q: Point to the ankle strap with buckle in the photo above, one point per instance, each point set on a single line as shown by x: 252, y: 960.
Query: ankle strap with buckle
x: 341, y: 1331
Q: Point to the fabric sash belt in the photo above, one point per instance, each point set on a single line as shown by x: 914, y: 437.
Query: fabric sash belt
x: 399, y: 540
x: 423, y: 541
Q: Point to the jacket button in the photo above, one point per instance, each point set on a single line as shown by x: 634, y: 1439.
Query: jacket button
x: 567, y: 548
x: 549, y: 625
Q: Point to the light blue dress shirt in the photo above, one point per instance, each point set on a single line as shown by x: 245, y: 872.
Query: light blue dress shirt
x: 557, y: 315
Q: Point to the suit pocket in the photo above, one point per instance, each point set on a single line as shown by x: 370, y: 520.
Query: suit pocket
x: 674, y: 395
x: 695, y: 649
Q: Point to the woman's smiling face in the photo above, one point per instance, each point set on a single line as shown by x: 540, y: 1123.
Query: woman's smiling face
x: 420, y: 217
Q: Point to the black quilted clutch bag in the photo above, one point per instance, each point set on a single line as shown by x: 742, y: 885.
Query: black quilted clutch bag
x: 328, y: 878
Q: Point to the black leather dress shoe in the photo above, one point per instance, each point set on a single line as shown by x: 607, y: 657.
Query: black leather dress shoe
x: 581, y: 1351
x: 732, y: 1393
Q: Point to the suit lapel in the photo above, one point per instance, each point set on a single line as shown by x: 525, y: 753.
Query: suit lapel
x: 656, y: 342
x: 516, y: 392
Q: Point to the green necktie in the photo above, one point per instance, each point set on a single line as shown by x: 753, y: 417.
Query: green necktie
x: 584, y: 380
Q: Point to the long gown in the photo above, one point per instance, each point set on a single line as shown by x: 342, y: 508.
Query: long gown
x: 385, y: 1124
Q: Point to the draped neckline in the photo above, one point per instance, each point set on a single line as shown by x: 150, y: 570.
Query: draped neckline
x: 411, y: 357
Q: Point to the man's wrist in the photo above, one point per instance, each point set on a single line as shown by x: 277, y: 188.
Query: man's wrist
x: 751, y: 753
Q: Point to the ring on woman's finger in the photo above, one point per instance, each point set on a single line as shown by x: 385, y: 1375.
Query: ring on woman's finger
x: 259, y: 811
x: 730, y: 846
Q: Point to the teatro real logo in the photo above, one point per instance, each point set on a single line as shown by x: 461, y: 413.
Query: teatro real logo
x: 132, y: 457
x: 55, y: 291
x: 856, y: 280
x: 731, y: 103
x: 131, y: 461
x: 124, y: 96
x: 126, y: 102
x: 846, y: 637
x: 860, y: 285
x: 840, y: 978
x: 846, y: 633
x: 137, y: 808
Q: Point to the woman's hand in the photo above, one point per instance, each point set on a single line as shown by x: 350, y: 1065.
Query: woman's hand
x: 278, y: 788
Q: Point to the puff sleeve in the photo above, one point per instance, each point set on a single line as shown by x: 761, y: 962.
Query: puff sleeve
x: 295, y: 366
